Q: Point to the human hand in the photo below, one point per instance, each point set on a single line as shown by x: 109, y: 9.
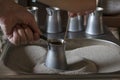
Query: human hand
x: 22, y: 34
x: 18, y: 24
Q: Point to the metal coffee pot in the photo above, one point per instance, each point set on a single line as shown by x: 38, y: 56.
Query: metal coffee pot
x: 56, y: 58
x: 34, y: 11
x: 95, y: 23
x: 53, y: 24
x: 76, y: 23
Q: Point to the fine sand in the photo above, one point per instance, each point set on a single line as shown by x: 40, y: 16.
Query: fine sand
x: 83, y: 58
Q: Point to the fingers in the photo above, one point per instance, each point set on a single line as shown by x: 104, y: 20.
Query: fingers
x: 29, y: 34
x: 22, y: 35
x: 14, y: 38
x: 30, y: 21
x: 33, y: 29
x: 17, y: 34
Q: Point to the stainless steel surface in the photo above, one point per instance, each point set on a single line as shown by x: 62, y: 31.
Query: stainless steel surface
x: 16, y: 1
x: 66, y: 31
x: 76, y: 23
x: 34, y: 0
x: 94, y: 23
x: 78, y: 35
x: 34, y: 11
x: 56, y: 55
x: 53, y: 24
x: 24, y: 60
x: 82, y: 43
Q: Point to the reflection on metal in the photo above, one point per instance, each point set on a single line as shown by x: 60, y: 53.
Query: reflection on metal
x: 107, y: 37
x: 53, y: 24
x: 94, y: 23
x: 16, y: 1
x: 56, y: 58
x: 76, y: 23
x: 33, y: 10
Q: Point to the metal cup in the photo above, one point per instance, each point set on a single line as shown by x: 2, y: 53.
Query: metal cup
x: 56, y: 58
x: 95, y: 23
x: 34, y: 11
x: 53, y: 24
x: 76, y: 23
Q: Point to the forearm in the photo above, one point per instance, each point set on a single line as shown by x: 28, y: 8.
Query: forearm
x: 6, y: 1
x: 72, y: 5
x: 7, y: 5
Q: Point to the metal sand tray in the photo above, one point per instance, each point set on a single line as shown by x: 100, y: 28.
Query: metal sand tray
x: 100, y: 56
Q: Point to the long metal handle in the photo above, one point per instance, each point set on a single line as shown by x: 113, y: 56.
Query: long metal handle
x: 43, y: 37
x: 66, y: 31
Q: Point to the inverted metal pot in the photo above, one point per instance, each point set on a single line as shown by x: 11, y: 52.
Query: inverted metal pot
x: 95, y: 23
x: 53, y: 24
x: 76, y: 23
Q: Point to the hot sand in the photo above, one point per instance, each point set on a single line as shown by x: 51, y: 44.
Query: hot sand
x: 91, y: 57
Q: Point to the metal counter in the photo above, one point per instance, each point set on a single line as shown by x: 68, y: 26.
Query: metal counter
x: 71, y: 35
